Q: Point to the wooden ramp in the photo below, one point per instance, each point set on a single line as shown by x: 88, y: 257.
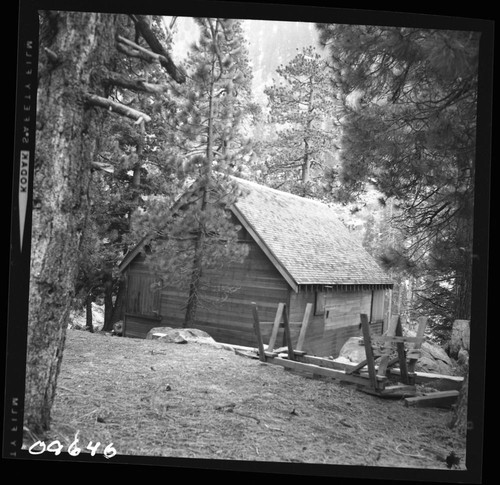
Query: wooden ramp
x: 366, y: 375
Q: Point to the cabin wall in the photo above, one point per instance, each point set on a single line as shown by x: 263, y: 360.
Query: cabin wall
x: 225, y: 309
x: 142, y: 303
x: 335, y: 317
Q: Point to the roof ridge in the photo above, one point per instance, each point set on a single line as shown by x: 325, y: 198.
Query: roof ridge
x: 280, y: 192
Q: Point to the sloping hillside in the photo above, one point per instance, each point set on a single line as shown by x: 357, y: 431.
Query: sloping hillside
x: 197, y: 400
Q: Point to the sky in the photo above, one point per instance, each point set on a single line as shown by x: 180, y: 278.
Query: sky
x: 271, y: 43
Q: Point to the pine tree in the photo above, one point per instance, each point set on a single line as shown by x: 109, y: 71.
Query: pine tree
x: 302, y: 107
x: 207, y: 146
x: 409, y: 106
x: 77, y: 67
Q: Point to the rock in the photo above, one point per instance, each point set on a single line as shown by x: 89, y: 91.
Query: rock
x: 463, y: 357
x: 179, y: 335
x: 434, y: 360
x: 353, y: 350
x: 460, y: 337
x: 157, y: 330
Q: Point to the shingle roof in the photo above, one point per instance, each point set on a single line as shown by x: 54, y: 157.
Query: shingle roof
x: 306, y: 238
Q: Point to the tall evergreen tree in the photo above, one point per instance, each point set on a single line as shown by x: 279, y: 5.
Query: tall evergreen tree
x: 302, y: 107
x: 409, y: 122
x: 207, y: 147
x: 77, y: 65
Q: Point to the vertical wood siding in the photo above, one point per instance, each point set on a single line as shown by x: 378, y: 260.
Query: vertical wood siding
x: 328, y: 332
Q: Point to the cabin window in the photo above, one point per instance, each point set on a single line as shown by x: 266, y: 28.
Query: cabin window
x: 319, y: 303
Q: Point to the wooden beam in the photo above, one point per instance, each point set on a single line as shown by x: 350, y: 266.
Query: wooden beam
x: 288, y: 336
x: 370, y: 361
x: 357, y: 367
x: 414, y: 353
x: 436, y: 381
x: 396, y: 339
x: 319, y: 370
x: 443, y: 399
x: 256, y: 327
x: 305, y: 325
x: 276, y: 326
x: 400, y: 346
x: 384, y: 361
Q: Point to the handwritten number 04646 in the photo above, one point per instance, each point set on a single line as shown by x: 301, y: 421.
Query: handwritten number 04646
x: 73, y: 449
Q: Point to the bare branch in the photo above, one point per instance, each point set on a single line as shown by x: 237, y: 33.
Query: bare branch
x: 165, y: 60
x: 118, y: 108
x: 134, y: 84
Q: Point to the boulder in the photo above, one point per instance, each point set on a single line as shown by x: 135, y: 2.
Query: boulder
x: 179, y: 335
x: 433, y: 358
x: 353, y: 350
x: 157, y: 332
x: 463, y: 357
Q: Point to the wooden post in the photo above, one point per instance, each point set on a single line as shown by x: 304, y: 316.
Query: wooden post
x: 370, y: 361
x: 288, y: 336
x: 276, y: 326
x: 384, y: 361
x: 303, y: 328
x: 400, y: 346
x: 256, y: 327
x: 422, y: 323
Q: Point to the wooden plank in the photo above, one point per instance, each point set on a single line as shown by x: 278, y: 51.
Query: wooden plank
x: 305, y: 325
x: 357, y: 367
x: 288, y: 336
x: 437, y: 381
x: 319, y: 370
x: 276, y: 325
x: 414, y: 353
x: 399, y: 389
x: 392, y: 391
x: 256, y: 326
x: 397, y: 339
x: 433, y: 399
x: 400, y: 347
x: 384, y: 361
x: 370, y: 362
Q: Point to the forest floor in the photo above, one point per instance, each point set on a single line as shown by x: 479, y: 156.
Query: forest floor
x: 197, y: 400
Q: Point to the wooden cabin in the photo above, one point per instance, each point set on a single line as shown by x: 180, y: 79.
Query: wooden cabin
x: 299, y: 252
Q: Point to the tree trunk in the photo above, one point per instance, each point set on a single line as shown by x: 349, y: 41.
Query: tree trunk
x: 119, y: 307
x: 194, y: 285
x: 65, y: 146
x: 89, y: 324
x: 108, y: 300
x: 459, y: 418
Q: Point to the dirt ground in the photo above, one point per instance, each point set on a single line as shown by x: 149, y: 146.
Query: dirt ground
x: 195, y: 400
